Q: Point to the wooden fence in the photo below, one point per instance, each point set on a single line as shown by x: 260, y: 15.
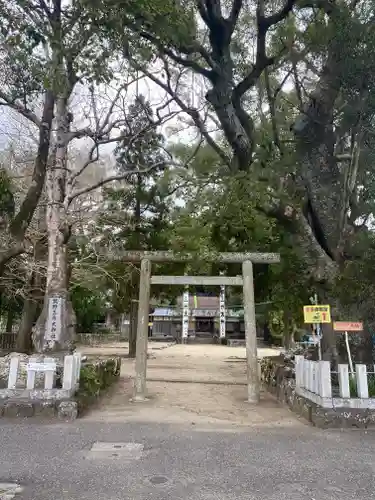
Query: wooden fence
x: 7, y: 341
x: 342, y: 389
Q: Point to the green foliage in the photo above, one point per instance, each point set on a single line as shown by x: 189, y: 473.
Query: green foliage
x: 138, y: 214
x: 95, y: 378
x: 89, y: 306
x: 353, y: 386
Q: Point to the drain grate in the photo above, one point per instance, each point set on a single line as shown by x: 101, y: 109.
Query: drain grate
x: 158, y: 480
x: 122, y: 451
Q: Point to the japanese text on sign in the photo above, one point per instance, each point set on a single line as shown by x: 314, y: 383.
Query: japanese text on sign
x: 222, y: 311
x: 317, y: 314
x: 348, y: 326
x: 41, y: 367
x: 185, y: 314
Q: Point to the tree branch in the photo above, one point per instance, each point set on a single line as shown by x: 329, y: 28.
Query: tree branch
x: 235, y: 12
x: 192, y: 112
x: 113, y: 178
x: 22, y: 110
x: 262, y: 61
x: 187, y: 63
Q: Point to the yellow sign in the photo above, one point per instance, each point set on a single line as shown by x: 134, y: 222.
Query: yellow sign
x: 317, y: 314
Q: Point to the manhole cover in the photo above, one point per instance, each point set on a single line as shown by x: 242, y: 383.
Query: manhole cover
x: 158, y: 479
x: 121, y: 451
x: 9, y: 490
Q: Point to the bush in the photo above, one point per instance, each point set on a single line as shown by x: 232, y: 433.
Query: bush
x: 353, y: 386
x: 95, y: 377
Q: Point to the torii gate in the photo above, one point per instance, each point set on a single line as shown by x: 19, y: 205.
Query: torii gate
x: 246, y: 281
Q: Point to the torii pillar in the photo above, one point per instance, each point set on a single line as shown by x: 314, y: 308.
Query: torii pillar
x: 247, y: 281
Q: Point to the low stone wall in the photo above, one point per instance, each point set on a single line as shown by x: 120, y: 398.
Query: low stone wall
x: 93, y: 339
x: 95, y: 378
x: 278, y: 378
x: 45, y: 408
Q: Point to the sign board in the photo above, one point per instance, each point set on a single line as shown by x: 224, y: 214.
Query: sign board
x: 317, y: 314
x: 222, y: 312
x: 348, y: 326
x: 41, y: 367
x: 185, y: 314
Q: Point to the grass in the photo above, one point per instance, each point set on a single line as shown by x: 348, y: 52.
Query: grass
x: 370, y: 383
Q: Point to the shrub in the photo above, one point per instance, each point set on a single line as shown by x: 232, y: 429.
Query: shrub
x: 95, y: 377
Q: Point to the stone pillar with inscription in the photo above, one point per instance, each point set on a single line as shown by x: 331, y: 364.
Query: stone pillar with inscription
x: 55, y: 328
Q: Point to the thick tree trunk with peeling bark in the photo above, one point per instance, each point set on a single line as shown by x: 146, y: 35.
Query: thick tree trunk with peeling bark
x: 326, y: 209
x: 21, y: 221
x: 31, y: 307
x: 55, y: 328
x: 35, y: 289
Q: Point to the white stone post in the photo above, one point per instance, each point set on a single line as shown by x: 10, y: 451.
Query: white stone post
x: 344, y: 381
x: 298, y: 360
x: 325, y: 389
x: 361, y: 376
x: 314, y: 370
x: 311, y: 376
x: 306, y: 374
x: 13, y: 371
x: 49, y: 375
x: 68, y: 374
x: 78, y: 358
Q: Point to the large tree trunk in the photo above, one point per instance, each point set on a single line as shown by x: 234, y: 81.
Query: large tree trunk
x: 29, y: 314
x: 324, y: 179
x: 10, y: 321
x: 35, y: 290
x: 21, y: 221
x: 55, y: 328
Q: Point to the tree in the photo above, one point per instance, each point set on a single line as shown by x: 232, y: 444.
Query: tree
x: 331, y: 133
x: 23, y: 85
x: 137, y: 214
x: 64, y: 39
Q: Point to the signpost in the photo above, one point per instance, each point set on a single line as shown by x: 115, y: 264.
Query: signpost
x: 317, y: 314
x: 41, y: 367
x: 348, y: 326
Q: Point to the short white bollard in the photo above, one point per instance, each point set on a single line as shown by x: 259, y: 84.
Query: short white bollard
x: 69, y: 373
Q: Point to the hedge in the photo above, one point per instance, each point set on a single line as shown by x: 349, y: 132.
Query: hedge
x: 95, y: 378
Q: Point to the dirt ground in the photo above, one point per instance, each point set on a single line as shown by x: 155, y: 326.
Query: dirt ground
x: 197, y: 384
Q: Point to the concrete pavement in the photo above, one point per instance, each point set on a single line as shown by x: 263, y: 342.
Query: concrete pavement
x: 186, y: 462
x: 211, y: 446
